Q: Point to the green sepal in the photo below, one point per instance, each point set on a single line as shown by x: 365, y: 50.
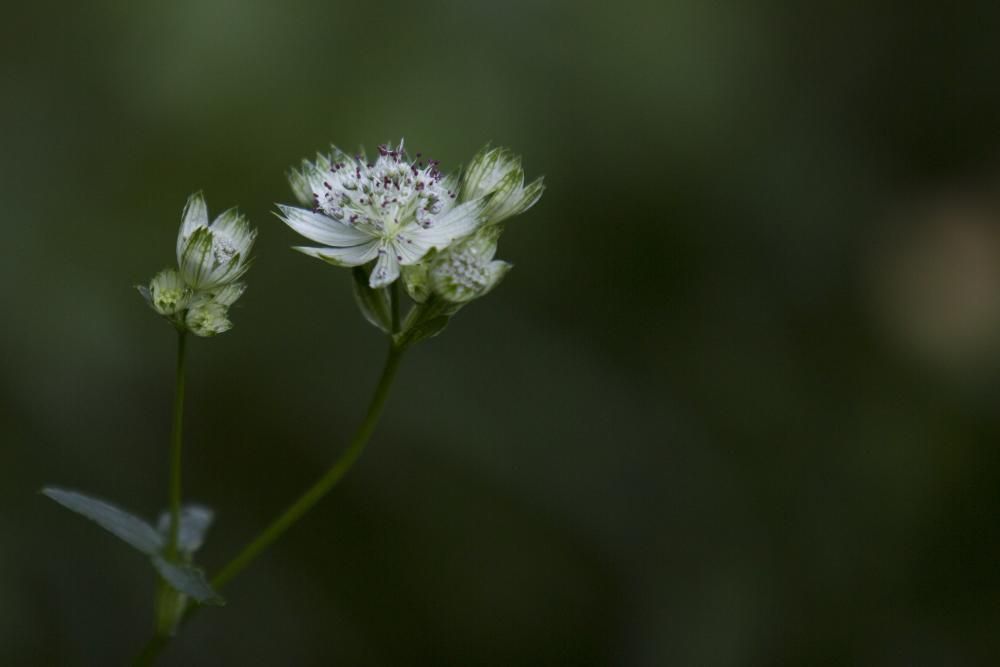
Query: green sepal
x: 426, y: 320
x: 374, y: 303
x: 425, y: 329
x: 416, y: 278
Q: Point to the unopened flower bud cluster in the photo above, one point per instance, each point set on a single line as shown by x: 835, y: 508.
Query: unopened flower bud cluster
x: 212, y: 257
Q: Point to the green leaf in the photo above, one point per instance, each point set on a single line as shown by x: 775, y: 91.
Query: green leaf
x: 195, y: 522
x: 134, y: 531
x: 374, y: 303
x: 126, y: 527
x: 189, y: 580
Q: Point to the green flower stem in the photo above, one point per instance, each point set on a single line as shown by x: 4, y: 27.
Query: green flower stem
x: 305, y: 502
x: 168, y: 601
x: 394, y: 300
x: 176, y: 441
x: 316, y: 492
x: 151, y: 651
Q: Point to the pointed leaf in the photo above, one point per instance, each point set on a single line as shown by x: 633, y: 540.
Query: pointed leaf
x: 189, y: 580
x: 126, y: 527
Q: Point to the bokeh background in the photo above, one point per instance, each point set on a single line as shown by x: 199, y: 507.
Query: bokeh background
x: 738, y: 404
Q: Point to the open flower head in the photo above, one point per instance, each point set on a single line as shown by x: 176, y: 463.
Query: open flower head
x: 211, y: 255
x: 394, y: 210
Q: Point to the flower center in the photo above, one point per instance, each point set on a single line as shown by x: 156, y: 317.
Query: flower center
x: 386, y: 195
x: 465, y: 270
x: 168, y: 299
x: 222, y: 249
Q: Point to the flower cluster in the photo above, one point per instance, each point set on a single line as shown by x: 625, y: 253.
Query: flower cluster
x: 402, y: 217
x: 391, y: 219
x: 212, y: 257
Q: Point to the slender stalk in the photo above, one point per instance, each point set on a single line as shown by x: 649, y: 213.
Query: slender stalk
x: 306, y: 501
x: 151, y: 651
x: 325, y: 483
x: 168, y: 601
x: 394, y: 305
x: 176, y: 441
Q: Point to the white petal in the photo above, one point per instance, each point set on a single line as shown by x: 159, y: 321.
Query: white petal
x: 351, y: 256
x: 195, y: 211
x: 410, y: 247
x: 235, y: 229
x: 322, y: 229
x: 228, y: 295
x: 517, y: 203
x: 221, y: 274
x: 386, y: 268
x: 487, y: 170
x: 308, y: 179
x: 453, y: 225
x: 496, y: 270
x: 449, y: 183
x: 195, y: 215
x: 194, y: 258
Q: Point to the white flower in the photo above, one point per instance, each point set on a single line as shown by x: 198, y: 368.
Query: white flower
x: 211, y: 255
x: 207, y: 317
x: 497, y: 173
x: 167, y: 293
x: 467, y: 270
x: 392, y: 210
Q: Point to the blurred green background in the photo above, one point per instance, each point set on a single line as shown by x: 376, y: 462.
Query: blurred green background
x: 736, y: 405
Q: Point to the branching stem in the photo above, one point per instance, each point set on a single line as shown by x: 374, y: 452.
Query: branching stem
x: 296, y: 510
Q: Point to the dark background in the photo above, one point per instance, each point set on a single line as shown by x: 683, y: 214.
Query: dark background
x: 736, y: 405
